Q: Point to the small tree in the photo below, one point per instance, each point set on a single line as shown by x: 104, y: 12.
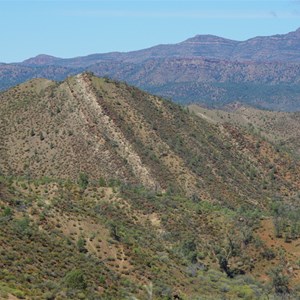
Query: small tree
x: 223, y: 263
x: 114, y: 232
x: 280, y: 281
x: 81, y: 245
x: 83, y: 180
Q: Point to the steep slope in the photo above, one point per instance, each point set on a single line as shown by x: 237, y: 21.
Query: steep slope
x: 111, y: 130
x: 64, y: 241
x: 107, y: 192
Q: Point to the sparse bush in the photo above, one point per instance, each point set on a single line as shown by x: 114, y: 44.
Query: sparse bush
x: 268, y: 253
x: 7, y: 212
x: 280, y: 281
x: 83, y: 181
x: 32, y: 133
x: 81, y: 245
x: 75, y: 279
x: 22, y: 226
x: 102, y: 182
x: 42, y: 137
x: 114, y: 232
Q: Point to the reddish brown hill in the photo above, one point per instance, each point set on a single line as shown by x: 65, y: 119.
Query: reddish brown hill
x: 111, y: 130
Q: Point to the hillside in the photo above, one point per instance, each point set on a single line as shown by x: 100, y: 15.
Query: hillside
x: 280, y: 128
x: 213, y: 71
x: 108, y: 192
x: 62, y: 129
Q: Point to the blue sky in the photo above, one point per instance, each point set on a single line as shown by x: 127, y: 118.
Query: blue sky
x: 68, y: 28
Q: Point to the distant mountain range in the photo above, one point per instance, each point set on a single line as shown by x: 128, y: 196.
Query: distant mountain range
x: 206, y: 69
x: 284, y: 48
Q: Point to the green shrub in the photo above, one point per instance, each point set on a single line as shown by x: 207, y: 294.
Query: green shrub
x: 7, y: 212
x: 75, y: 279
x: 102, y: 182
x: 245, y: 292
x: 83, y: 180
x: 81, y: 245
x: 280, y: 281
x: 22, y: 226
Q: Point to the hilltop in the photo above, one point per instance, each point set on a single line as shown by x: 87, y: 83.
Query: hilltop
x: 107, y: 192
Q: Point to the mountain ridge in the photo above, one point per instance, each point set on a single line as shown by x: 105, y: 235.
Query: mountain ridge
x: 40, y: 59
x: 262, y: 71
x: 206, y: 39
